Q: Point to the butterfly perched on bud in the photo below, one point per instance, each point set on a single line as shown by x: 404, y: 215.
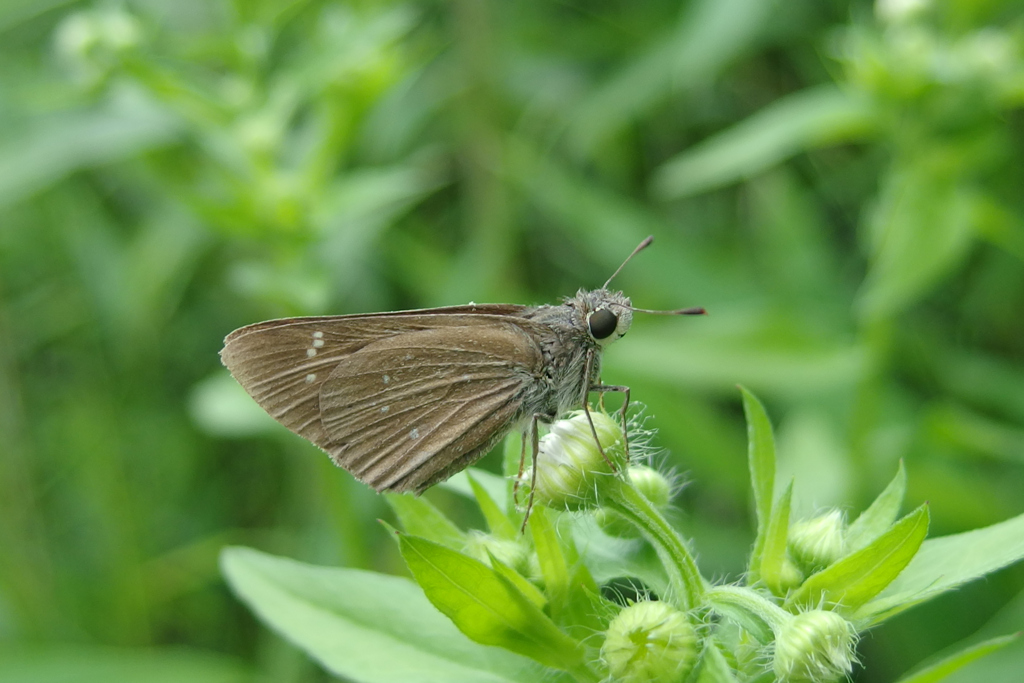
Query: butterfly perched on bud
x: 406, y: 399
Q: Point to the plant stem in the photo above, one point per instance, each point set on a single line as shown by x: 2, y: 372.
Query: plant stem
x: 684, y: 577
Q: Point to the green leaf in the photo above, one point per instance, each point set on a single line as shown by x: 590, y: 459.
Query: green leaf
x: 943, y: 564
x: 710, y: 35
x: 495, y: 486
x: 860, y: 576
x: 553, y: 565
x: 365, y: 626
x: 125, y: 125
x: 521, y: 583
x: 499, y: 524
x: 921, y: 230
x: 609, y: 558
x: 792, y: 124
x: 761, y: 460
x: 99, y: 664
x: 713, y: 667
x: 881, y: 514
x: 794, y: 364
x: 486, y: 606
x: 938, y: 671
x: 420, y: 517
x: 750, y: 611
x: 773, y: 557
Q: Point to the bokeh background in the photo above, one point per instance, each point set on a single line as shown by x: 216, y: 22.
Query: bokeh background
x: 840, y: 183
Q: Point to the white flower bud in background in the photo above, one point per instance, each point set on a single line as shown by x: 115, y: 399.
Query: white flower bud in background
x: 814, y: 647
x: 91, y: 40
x: 648, y: 642
x: 895, y: 11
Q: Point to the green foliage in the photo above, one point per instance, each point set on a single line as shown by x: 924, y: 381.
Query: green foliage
x: 364, y: 626
x: 838, y: 183
x: 806, y: 631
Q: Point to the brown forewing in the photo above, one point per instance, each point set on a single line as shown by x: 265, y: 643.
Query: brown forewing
x: 408, y: 411
x: 284, y: 364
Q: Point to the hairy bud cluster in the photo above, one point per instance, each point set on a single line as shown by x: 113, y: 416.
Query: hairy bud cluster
x: 649, y: 641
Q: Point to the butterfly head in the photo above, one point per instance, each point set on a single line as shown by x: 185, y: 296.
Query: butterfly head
x: 605, y: 315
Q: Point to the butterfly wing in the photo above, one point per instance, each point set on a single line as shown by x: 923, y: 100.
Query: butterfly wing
x: 285, y: 365
x: 408, y: 411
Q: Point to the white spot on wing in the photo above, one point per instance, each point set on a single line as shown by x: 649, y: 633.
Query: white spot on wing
x: 310, y: 353
x: 318, y: 343
x: 310, y: 378
x: 318, y: 335
x: 384, y: 409
x: 414, y: 433
x: 386, y: 379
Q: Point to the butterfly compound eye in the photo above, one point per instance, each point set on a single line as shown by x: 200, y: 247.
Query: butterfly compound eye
x: 602, y: 323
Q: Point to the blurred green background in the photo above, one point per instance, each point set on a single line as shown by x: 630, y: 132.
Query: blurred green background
x: 839, y: 183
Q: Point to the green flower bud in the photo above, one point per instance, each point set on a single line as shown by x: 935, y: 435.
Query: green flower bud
x: 652, y: 484
x: 512, y: 553
x: 816, y: 543
x: 648, y: 642
x: 814, y: 647
x: 790, y: 577
x: 570, y: 468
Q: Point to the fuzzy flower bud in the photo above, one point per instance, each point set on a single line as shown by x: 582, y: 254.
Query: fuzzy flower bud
x: 814, y: 647
x: 512, y: 553
x: 790, y: 577
x: 649, y: 641
x: 570, y: 467
x: 816, y: 543
x: 652, y: 484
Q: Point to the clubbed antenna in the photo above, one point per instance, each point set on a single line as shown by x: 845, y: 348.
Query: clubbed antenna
x: 696, y: 310
x: 640, y: 247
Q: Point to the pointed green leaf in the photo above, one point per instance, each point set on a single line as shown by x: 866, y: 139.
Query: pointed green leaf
x: 708, y: 37
x: 860, y: 576
x: 713, y: 667
x: 521, y: 583
x: 486, y: 606
x: 874, y: 521
x: 774, y: 556
x: 943, y: 668
x: 420, y: 517
x: 553, y: 565
x: 499, y: 524
x: 922, y: 228
x: 365, y: 626
x: 945, y: 563
x: 122, y: 126
x: 496, y: 486
x: 803, y: 120
x: 761, y: 459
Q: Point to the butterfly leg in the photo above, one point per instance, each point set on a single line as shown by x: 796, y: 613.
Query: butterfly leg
x: 522, y: 465
x: 603, y: 389
x: 588, y: 369
x: 535, y: 439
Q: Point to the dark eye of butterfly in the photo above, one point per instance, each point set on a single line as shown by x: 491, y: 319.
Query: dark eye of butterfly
x: 602, y: 323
